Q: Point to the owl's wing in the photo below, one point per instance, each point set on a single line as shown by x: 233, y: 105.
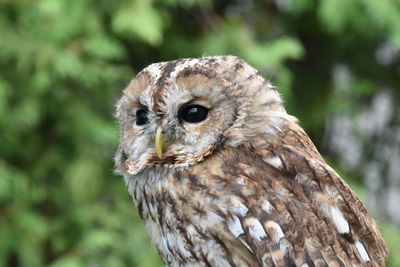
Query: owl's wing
x: 293, y: 209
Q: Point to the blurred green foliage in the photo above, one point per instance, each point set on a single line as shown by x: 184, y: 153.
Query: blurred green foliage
x: 63, y: 64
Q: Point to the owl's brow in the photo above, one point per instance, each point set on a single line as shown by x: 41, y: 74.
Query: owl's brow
x: 157, y: 96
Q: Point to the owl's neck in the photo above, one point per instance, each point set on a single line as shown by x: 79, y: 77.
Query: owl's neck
x: 155, y: 187
x: 178, y: 205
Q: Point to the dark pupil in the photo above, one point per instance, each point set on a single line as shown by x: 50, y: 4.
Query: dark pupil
x: 141, y: 117
x: 193, y: 113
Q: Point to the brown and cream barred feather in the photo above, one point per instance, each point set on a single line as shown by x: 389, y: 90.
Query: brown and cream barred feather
x: 255, y: 192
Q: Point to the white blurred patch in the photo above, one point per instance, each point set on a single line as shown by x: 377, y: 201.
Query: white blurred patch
x: 363, y: 253
x: 266, y: 206
x: 235, y: 227
x: 255, y: 228
x: 386, y: 54
x: 239, y: 208
x: 340, y: 222
x: 274, y: 161
x: 276, y: 230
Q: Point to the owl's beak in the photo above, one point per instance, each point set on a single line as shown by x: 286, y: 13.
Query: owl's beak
x: 160, y: 142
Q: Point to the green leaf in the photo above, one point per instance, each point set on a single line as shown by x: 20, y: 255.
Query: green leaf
x: 69, y: 65
x: 104, y: 48
x: 69, y: 261
x: 4, y: 95
x: 300, y: 6
x: 271, y: 54
x: 82, y: 179
x: 391, y: 234
x: 335, y: 14
x: 139, y: 19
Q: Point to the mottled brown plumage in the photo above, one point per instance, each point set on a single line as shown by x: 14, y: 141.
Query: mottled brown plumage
x: 243, y: 187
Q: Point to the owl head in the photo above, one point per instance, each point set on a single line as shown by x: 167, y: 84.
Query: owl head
x: 176, y: 113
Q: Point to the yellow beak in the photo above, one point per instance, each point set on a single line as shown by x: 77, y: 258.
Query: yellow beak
x: 160, y: 142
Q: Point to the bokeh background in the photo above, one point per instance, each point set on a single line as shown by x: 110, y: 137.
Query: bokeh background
x: 64, y: 63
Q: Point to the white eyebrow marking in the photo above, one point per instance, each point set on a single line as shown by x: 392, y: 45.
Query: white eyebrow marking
x: 363, y: 253
x: 256, y: 230
x: 341, y: 224
x: 154, y: 70
x: 275, y: 161
x: 235, y: 227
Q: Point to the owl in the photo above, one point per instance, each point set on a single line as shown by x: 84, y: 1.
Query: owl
x: 223, y: 176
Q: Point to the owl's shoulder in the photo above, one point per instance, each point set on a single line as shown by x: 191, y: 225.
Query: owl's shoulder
x: 310, y: 209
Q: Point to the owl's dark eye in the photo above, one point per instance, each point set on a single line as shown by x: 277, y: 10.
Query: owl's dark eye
x: 193, y: 113
x: 141, y: 117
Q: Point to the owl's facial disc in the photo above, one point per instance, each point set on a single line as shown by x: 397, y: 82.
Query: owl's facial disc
x: 186, y: 128
x: 173, y: 119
